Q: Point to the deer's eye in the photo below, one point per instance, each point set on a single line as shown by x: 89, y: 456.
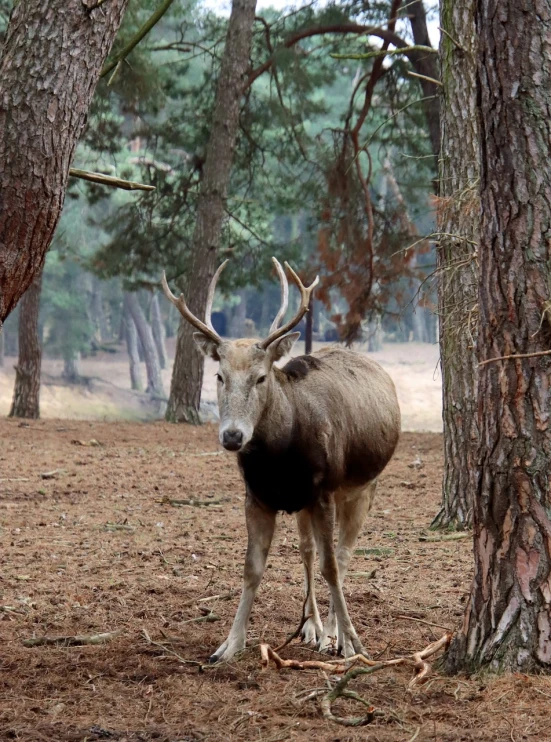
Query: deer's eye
x: 261, y: 379
x: 219, y: 379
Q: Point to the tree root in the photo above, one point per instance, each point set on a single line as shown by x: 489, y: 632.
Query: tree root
x: 417, y: 660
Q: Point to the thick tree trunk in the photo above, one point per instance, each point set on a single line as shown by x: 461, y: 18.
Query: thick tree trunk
x: 154, y: 379
x: 42, y: 115
x: 158, y: 330
x: 458, y: 218
x: 131, y: 336
x: 187, y: 374
x: 508, y: 618
x: 26, y: 392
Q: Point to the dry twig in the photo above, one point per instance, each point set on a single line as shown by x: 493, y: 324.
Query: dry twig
x: 71, y: 641
x: 418, y: 660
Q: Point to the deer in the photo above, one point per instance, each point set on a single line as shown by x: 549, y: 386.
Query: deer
x: 311, y: 438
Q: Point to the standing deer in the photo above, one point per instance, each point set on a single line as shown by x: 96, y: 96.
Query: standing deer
x: 311, y: 439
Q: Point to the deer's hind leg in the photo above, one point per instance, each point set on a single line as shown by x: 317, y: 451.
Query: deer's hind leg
x: 352, y: 507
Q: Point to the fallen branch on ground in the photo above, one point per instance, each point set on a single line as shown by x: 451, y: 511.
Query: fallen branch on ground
x: 71, y: 641
x: 447, y: 537
x: 194, y: 503
x: 417, y: 660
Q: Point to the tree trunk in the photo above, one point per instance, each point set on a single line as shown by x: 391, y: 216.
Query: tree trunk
x: 99, y: 320
x: 26, y: 392
x: 309, y: 329
x: 187, y: 374
x: 41, y: 119
x: 458, y: 219
x: 508, y: 618
x: 71, y: 368
x: 154, y: 379
x: 131, y: 336
x: 427, y: 65
x: 239, y: 316
x: 375, y: 335
x: 158, y: 330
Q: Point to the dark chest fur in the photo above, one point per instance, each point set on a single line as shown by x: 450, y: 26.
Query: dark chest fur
x: 283, y: 480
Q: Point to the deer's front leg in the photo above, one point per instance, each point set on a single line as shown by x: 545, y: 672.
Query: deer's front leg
x: 260, y: 530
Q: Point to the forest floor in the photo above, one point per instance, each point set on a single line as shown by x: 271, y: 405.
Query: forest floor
x: 91, y: 543
x: 105, y: 393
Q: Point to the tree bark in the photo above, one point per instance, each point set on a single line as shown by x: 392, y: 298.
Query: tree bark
x: 158, y: 330
x: 427, y: 65
x: 457, y: 220
x: 131, y: 335
x: 187, y: 374
x: 26, y: 393
x: 508, y: 618
x: 49, y: 69
x: 154, y: 379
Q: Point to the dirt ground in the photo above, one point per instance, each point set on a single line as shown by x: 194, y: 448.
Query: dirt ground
x: 107, y: 394
x: 88, y: 546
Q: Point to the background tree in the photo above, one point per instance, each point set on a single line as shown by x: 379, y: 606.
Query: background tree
x: 508, y: 618
x: 26, y: 392
x: 457, y: 228
x: 187, y: 374
x: 42, y: 116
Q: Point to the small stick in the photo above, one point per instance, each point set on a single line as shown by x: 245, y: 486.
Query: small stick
x: 420, y: 620
x: 71, y: 641
x: 299, y: 629
x: 446, y: 537
x: 424, y: 77
x: 193, y: 503
x: 515, y: 355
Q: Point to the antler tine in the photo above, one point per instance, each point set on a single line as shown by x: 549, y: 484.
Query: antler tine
x: 180, y: 304
x: 305, y: 293
x: 284, y: 295
x: 210, y: 297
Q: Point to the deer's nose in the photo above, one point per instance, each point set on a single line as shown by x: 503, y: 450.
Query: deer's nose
x: 232, y: 440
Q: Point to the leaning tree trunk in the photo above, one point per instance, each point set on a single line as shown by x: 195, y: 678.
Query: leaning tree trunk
x: 458, y: 217
x: 26, y: 392
x: 131, y: 336
x: 154, y: 379
x: 508, y: 618
x: 50, y: 65
x: 158, y: 330
x: 187, y: 374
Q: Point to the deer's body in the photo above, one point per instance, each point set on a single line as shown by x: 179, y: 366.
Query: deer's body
x: 311, y: 439
x: 331, y: 421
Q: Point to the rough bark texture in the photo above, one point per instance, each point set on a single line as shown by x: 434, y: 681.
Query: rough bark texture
x: 187, y: 374
x: 131, y: 337
x: 508, y: 618
x: 154, y: 379
x: 26, y: 391
x: 158, y: 331
x: 458, y: 217
x: 51, y: 62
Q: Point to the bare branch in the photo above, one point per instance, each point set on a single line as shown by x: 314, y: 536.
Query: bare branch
x: 109, y: 180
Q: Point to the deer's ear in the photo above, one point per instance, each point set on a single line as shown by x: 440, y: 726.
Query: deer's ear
x: 207, y: 346
x: 283, y: 346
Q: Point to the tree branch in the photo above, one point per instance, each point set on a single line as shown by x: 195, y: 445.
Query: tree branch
x: 143, y: 31
x: 387, y: 52
x: 109, y: 180
x: 340, y: 28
